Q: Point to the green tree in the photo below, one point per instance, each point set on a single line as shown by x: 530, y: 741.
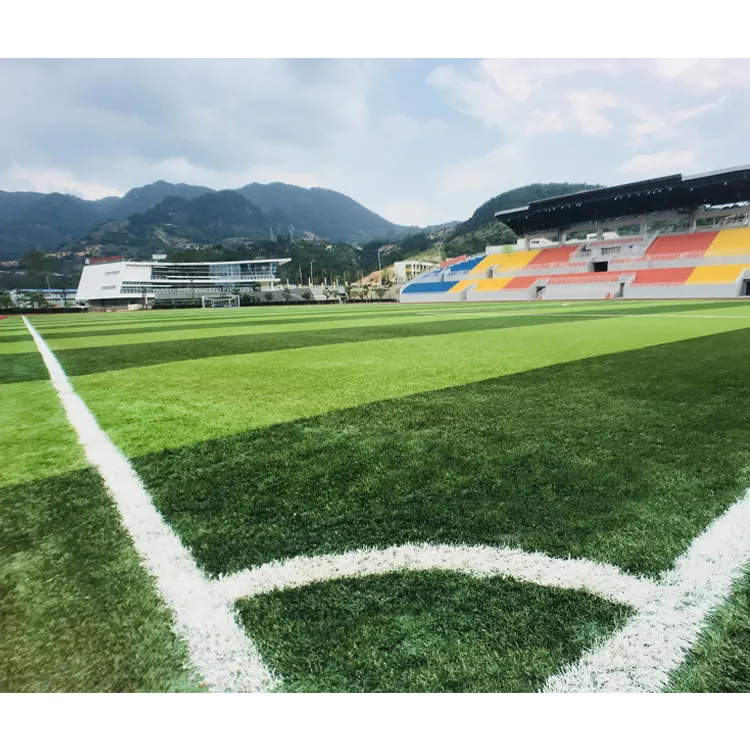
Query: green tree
x: 380, y: 291
x: 6, y: 300
x: 286, y: 293
x: 307, y: 295
x: 268, y: 296
x: 35, y: 260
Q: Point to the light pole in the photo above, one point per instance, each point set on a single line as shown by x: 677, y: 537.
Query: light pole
x: 311, y: 276
x: 379, y: 269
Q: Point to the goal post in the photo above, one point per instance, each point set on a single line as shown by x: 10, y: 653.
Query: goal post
x: 220, y: 300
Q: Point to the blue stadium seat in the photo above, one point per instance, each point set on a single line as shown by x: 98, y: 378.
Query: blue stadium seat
x: 429, y: 287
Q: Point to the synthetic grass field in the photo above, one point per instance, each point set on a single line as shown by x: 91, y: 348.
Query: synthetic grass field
x: 611, y: 432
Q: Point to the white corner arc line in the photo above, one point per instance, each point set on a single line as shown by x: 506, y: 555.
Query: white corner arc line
x: 219, y: 648
x: 656, y: 640
x: 601, y: 579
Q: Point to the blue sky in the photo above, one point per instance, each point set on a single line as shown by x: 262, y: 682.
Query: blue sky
x: 418, y: 141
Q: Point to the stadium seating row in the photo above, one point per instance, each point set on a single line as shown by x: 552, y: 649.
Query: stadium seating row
x: 724, y: 274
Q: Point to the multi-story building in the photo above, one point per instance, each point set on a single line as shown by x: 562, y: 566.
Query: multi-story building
x: 118, y: 282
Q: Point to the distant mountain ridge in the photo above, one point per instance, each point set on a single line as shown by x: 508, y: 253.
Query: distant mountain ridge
x: 49, y: 221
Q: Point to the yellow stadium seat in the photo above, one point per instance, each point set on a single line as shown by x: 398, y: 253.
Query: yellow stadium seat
x: 492, y: 285
x: 505, y: 262
x: 730, y: 242
x: 716, y: 274
x: 459, y: 286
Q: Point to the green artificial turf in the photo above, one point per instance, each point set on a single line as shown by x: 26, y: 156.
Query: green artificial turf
x: 424, y: 632
x: 86, y: 360
x: 622, y: 459
x: 36, y: 440
x: 720, y: 662
x: 103, y: 359
x: 147, y: 409
x: 77, y: 611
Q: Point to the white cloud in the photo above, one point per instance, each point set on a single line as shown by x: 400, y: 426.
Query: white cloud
x: 701, y: 76
x: 657, y: 164
x: 484, y: 176
x: 529, y: 97
x: 652, y: 124
x: 588, y: 108
x: 52, y: 181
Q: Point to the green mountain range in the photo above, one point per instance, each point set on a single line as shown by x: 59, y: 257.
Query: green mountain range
x: 53, y: 222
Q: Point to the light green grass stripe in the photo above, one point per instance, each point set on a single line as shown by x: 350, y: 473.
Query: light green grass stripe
x: 164, y: 406
x: 150, y: 337
x: 144, y: 319
x: 350, y: 312
x: 36, y: 440
x: 339, y: 323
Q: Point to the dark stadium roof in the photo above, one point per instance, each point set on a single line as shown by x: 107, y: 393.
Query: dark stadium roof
x: 672, y: 193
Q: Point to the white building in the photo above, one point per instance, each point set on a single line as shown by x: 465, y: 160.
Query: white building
x: 404, y: 270
x: 117, y: 282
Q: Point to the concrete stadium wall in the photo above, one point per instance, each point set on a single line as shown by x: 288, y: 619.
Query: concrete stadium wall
x: 512, y: 295
x: 684, y: 291
x: 441, y: 297
x: 580, y: 291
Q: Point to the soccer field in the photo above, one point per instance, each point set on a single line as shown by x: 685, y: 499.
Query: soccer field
x: 484, y: 497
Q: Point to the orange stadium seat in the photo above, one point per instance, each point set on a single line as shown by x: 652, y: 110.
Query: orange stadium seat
x: 681, y: 243
x: 676, y: 276
x: 550, y: 255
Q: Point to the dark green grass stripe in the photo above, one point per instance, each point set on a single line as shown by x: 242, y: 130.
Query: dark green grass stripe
x: 107, y: 358
x: 720, y: 661
x: 622, y: 458
x: 424, y: 632
x: 77, y: 611
x: 22, y: 367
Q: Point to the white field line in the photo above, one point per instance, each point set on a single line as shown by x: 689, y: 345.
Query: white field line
x: 601, y: 579
x: 656, y: 640
x: 219, y: 649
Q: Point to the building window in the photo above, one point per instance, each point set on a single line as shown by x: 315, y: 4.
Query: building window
x: 111, y: 286
x: 111, y: 273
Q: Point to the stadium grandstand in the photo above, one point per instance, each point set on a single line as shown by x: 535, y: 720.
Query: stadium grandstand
x: 671, y: 237
x: 116, y: 282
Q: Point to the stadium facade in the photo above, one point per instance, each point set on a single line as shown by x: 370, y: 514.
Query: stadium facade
x: 117, y: 282
x: 671, y: 237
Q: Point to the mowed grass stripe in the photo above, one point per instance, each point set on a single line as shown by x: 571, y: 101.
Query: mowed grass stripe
x: 256, y: 322
x: 100, y: 359
x: 424, y: 632
x: 622, y: 459
x: 148, y: 409
x: 105, y: 359
x: 36, y: 440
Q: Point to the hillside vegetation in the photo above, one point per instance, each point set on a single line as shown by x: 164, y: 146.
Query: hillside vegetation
x: 227, y: 225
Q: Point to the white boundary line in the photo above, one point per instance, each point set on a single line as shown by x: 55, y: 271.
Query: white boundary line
x: 601, y: 579
x: 219, y: 649
x: 656, y: 640
x: 670, y: 614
